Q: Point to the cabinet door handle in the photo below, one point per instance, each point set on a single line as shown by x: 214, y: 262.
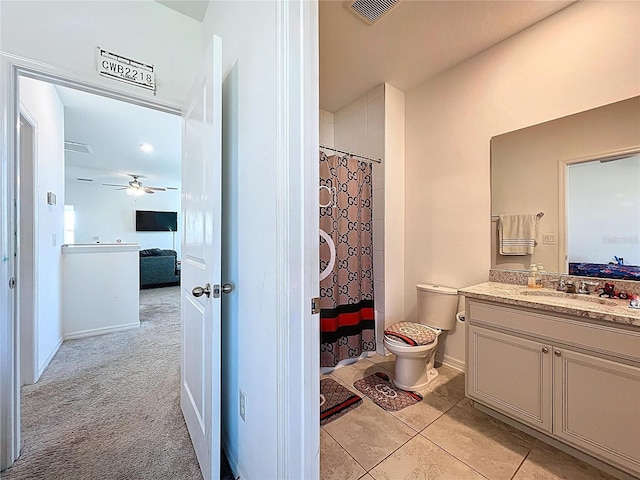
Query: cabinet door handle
x: 545, y: 350
x: 557, y: 353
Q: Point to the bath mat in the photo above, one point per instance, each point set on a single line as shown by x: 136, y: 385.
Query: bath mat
x: 379, y: 388
x: 335, y: 400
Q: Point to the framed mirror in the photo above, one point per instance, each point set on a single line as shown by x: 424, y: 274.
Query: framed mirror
x: 582, y: 172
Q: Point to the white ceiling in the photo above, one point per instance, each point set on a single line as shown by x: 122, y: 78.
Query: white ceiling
x: 115, y: 130
x: 413, y: 43
x: 191, y: 8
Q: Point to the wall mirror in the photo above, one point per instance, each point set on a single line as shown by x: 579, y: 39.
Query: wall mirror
x: 583, y: 172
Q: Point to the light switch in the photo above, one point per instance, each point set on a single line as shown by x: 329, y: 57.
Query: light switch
x: 549, y: 238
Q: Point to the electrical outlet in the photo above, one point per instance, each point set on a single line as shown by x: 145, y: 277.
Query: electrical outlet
x: 243, y: 406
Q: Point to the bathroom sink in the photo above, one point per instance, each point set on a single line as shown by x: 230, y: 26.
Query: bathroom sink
x: 569, y: 296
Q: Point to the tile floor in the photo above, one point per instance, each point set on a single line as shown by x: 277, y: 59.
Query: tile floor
x: 442, y: 437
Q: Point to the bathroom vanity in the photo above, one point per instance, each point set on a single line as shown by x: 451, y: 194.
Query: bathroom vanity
x: 565, y: 368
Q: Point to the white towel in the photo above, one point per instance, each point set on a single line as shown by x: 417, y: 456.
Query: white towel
x: 517, y: 234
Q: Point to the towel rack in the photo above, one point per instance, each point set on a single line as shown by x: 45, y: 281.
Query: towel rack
x: 495, y: 218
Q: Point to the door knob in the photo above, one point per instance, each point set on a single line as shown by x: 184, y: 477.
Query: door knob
x: 199, y: 291
x: 227, y: 288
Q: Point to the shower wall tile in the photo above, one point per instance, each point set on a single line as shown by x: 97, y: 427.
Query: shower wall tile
x: 347, y: 111
x: 375, y: 114
x: 378, y: 235
x: 326, y: 128
x: 380, y: 326
x: 375, y: 143
x: 378, y: 265
x: 378, y: 293
x: 375, y: 93
x: 378, y: 176
x: 378, y: 203
x: 359, y: 143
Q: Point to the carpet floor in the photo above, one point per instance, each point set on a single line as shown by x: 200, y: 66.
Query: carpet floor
x: 108, y: 407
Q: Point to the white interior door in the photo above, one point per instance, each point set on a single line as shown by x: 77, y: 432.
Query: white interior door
x: 201, y: 277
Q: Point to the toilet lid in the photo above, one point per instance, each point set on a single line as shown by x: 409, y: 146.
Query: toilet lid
x: 412, y: 333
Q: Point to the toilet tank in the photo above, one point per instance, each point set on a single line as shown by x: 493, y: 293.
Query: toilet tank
x: 437, y: 306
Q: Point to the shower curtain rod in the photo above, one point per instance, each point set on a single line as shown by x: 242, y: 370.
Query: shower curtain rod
x: 377, y: 160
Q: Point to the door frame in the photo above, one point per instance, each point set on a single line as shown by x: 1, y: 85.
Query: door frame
x: 563, y: 165
x: 298, y: 223
x: 26, y: 241
x: 11, y: 69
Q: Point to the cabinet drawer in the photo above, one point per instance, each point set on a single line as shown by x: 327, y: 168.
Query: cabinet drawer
x: 597, y: 337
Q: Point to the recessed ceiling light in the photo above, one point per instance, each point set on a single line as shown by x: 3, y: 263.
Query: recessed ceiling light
x: 146, y: 147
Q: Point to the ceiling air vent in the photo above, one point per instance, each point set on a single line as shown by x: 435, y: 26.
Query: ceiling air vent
x: 370, y: 11
x: 77, y: 147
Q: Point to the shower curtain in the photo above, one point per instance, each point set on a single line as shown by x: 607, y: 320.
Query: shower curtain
x: 346, y: 259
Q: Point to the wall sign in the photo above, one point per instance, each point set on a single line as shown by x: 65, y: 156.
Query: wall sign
x: 126, y: 70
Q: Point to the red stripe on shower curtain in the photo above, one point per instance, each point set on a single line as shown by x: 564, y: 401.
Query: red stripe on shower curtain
x: 346, y: 319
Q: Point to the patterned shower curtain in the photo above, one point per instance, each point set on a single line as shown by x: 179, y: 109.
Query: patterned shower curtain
x: 346, y: 259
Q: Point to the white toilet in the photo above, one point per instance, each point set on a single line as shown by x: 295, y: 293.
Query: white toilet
x: 414, y: 344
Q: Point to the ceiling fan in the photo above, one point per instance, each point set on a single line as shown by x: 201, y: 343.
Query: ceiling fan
x: 135, y: 186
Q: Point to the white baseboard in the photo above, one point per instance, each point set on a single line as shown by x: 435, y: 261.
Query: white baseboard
x: 100, y: 331
x: 450, y: 361
x: 47, y: 361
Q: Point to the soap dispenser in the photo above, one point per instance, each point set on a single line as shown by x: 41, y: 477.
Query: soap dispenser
x: 532, y: 279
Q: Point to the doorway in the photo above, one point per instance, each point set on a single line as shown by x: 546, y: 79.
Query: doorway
x: 115, y: 157
x: 39, y: 217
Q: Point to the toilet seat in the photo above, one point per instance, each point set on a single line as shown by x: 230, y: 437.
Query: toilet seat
x: 410, y: 334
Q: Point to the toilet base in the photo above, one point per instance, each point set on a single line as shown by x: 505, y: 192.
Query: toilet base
x: 414, y: 373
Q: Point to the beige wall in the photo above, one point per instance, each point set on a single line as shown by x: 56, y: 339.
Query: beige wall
x: 585, y: 56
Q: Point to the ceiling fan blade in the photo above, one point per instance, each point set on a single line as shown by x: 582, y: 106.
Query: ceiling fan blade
x: 114, y: 185
x: 148, y: 190
x: 172, y: 188
x: 123, y: 188
x: 159, y: 189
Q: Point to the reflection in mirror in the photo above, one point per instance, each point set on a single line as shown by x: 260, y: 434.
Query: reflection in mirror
x: 530, y: 171
x: 603, y: 217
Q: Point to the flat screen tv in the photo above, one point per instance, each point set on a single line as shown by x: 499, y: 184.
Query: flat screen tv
x: 150, y: 221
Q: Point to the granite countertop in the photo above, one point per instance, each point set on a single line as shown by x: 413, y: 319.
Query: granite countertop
x: 588, y: 306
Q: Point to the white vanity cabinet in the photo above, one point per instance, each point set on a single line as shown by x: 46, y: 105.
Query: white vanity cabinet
x: 575, y: 381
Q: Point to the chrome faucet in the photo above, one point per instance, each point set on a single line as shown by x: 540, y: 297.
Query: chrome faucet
x: 584, y: 287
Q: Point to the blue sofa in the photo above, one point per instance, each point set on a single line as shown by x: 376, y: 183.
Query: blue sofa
x: 158, y: 268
